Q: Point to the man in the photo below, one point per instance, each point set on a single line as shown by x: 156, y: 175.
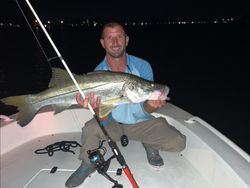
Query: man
x: 133, y: 120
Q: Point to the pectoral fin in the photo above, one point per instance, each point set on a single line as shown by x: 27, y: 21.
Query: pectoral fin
x: 116, y: 101
x: 107, y: 106
x: 104, y: 110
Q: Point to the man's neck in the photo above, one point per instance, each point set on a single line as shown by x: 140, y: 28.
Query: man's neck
x: 117, y: 64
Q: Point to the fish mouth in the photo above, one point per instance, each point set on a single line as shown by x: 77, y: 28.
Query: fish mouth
x: 160, y: 94
x: 164, y: 93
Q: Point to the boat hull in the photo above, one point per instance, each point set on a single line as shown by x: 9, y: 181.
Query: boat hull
x: 209, y: 159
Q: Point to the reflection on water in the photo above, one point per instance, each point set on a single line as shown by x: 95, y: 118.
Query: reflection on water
x: 205, y: 66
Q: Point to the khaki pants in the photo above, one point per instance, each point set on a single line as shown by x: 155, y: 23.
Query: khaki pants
x: 156, y: 132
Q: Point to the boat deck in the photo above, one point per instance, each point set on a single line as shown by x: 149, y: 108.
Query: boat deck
x: 209, y: 159
x: 21, y: 167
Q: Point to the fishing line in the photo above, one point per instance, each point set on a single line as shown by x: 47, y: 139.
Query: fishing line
x: 112, y: 144
x: 76, y: 119
x: 37, y: 40
x: 59, y: 55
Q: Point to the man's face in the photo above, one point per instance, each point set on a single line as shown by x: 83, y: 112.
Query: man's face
x: 114, y: 41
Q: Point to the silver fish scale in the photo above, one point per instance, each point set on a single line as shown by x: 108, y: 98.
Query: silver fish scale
x: 113, y: 88
x: 104, y: 84
x: 107, y: 85
x: 107, y: 91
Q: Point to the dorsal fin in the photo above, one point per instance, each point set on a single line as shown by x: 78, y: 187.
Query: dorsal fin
x: 58, y: 75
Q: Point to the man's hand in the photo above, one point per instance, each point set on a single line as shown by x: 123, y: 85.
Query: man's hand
x: 152, y: 105
x: 90, y: 98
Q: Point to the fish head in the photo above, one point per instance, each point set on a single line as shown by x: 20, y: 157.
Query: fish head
x: 140, y: 90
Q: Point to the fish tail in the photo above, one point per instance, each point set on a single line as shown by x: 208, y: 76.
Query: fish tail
x: 26, y: 114
x: 27, y: 110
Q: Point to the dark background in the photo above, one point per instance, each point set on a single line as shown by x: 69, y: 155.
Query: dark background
x: 206, y: 66
x: 162, y: 9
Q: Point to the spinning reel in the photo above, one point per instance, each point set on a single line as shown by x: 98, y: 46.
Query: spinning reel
x: 96, y: 157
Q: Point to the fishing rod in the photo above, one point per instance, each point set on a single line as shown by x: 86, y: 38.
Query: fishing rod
x: 116, y: 151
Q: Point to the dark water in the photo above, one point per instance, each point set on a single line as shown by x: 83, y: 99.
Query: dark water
x: 205, y: 66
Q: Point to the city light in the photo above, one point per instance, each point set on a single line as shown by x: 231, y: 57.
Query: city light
x: 145, y: 23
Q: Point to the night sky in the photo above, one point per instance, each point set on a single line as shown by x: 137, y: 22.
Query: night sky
x: 158, y: 9
x: 233, y: 102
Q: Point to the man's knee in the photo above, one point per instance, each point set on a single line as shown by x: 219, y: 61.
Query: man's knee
x: 175, y: 145
x: 91, y: 124
x: 180, y: 143
x: 161, y: 121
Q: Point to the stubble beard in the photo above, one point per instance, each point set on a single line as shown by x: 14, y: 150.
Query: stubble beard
x: 117, y: 54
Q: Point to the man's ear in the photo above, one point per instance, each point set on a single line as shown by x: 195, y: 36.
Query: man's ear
x: 127, y: 40
x: 102, y: 43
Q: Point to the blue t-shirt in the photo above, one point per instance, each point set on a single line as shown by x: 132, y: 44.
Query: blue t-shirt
x: 133, y: 112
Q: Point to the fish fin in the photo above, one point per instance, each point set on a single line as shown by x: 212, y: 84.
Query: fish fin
x: 58, y: 75
x: 26, y: 114
x: 116, y: 101
x: 27, y: 110
x: 104, y: 110
x: 60, y: 107
x: 107, y: 106
x: 17, y: 101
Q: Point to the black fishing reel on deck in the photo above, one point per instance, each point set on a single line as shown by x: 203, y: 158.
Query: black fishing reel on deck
x: 96, y: 157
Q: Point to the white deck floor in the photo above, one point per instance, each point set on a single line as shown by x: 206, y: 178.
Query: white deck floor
x: 23, y: 168
x: 209, y: 160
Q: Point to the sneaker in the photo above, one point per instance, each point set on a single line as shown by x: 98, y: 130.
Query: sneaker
x: 80, y: 175
x: 153, y: 156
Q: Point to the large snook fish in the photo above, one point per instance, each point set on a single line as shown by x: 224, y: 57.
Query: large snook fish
x: 113, y: 88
